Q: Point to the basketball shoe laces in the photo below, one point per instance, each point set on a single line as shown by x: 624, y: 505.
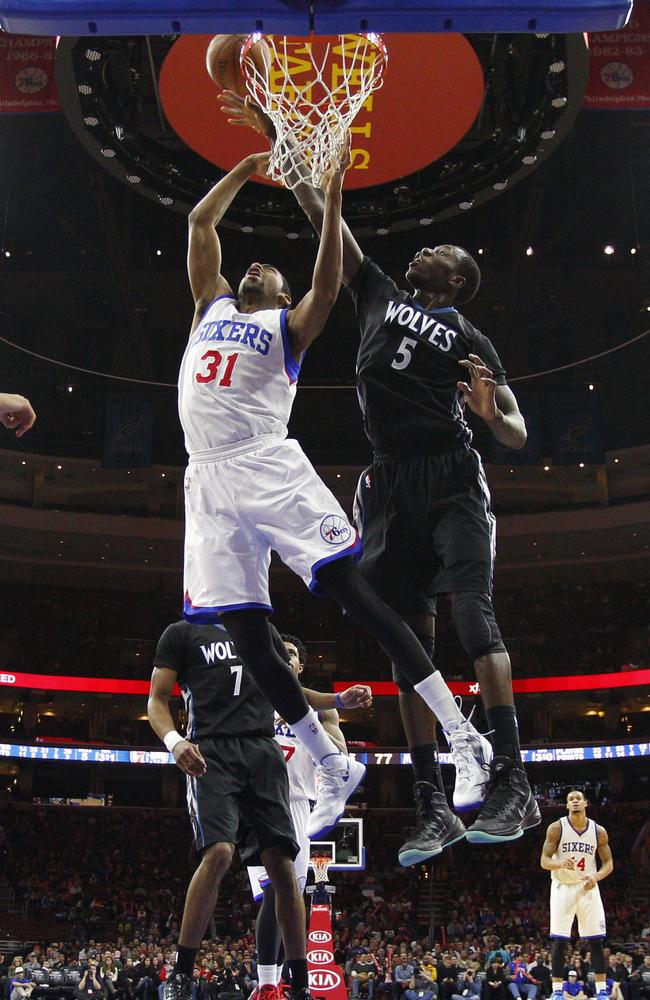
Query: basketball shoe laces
x: 463, y: 739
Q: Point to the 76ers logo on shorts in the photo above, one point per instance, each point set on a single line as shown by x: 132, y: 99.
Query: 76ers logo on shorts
x: 335, y: 530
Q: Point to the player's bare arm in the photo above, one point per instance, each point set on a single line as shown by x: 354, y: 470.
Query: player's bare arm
x: 356, y: 696
x: 495, y: 404
x: 16, y: 413
x: 606, y: 861
x: 242, y: 111
x: 204, y: 250
x: 187, y: 755
x: 547, y: 860
x: 307, y: 320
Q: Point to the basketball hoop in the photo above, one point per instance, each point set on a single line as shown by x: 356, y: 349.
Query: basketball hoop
x: 321, y: 865
x: 312, y: 92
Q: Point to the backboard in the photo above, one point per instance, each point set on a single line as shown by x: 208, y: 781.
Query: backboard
x: 160, y: 17
x: 344, y: 844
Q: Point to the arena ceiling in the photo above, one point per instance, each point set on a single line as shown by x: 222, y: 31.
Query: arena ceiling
x: 92, y: 274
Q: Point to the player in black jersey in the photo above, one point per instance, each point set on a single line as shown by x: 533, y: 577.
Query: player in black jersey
x: 236, y: 785
x: 424, y: 511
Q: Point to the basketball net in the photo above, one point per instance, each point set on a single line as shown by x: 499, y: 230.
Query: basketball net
x: 312, y: 116
x: 321, y: 865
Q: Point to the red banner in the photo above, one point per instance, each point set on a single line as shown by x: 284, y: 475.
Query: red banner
x: 619, y: 64
x: 529, y: 685
x: 325, y: 976
x: 27, y: 83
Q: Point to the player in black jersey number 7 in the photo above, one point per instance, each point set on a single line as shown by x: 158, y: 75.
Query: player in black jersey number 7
x: 424, y: 510
x: 237, y: 787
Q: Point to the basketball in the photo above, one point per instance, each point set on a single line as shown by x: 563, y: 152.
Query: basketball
x: 222, y: 61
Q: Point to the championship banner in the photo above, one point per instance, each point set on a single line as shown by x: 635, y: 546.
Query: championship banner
x: 619, y: 65
x: 325, y: 976
x: 530, y: 454
x: 576, y: 427
x: 27, y: 84
x: 128, y: 432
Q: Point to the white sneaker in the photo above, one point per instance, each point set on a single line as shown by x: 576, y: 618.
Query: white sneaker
x: 338, y: 779
x: 471, y: 754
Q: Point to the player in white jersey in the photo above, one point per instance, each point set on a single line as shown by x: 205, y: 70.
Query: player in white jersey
x: 569, y: 853
x: 248, y: 490
x: 302, y: 791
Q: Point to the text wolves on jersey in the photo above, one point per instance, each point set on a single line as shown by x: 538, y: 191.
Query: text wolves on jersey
x: 424, y: 327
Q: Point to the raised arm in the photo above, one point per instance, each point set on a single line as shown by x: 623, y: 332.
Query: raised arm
x: 204, y: 249
x: 242, y: 111
x: 307, y: 320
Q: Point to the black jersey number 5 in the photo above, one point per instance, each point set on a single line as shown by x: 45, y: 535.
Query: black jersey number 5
x: 404, y: 354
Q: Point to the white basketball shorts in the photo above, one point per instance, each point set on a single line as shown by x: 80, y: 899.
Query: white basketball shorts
x: 257, y: 875
x: 570, y: 901
x: 265, y: 496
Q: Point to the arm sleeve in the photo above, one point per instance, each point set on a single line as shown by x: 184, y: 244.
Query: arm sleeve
x: 171, y: 648
x: 369, y: 284
x: 278, y: 644
x: 483, y: 347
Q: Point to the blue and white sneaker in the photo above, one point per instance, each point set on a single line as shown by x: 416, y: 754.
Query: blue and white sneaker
x: 339, y: 776
x: 472, y: 755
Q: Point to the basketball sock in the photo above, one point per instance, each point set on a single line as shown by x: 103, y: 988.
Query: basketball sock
x: 557, y: 984
x: 298, y: 970
x: 426, y: 765
x: 278, y: 974
x: 601, y: 984
x: 266, y: 975
x: 185, y: 960
x: 313, y: 737
x: 502, y: 721
x: 440, y: 700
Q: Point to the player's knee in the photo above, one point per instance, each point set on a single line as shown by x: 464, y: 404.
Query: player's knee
x: 473, y: 617
x: 217, y: 859
x: 405, y: 686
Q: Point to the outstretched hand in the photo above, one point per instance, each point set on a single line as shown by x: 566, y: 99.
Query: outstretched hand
x: 332, y: 179
x: 244, y: 111
x: 480, y: 394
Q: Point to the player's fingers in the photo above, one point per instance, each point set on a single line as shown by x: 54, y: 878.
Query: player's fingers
x: 488, y: 381
x: 475, y: 358
x: 464, y: 388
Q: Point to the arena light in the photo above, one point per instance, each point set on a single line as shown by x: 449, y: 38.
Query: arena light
x: 609, y: 249
x: 529, y: 251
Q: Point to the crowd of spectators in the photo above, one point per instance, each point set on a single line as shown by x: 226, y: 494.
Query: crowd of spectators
x: 113, y: 882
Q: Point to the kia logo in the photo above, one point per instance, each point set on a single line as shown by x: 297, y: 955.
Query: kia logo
x: 320, y: 937
x: 324, y: 979
x: 320, y: 957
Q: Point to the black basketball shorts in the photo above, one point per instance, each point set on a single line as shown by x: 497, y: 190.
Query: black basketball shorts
x: 426, y: 528
x: 243, y: 798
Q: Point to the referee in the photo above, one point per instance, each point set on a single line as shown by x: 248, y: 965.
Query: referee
x: 237, y: 787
